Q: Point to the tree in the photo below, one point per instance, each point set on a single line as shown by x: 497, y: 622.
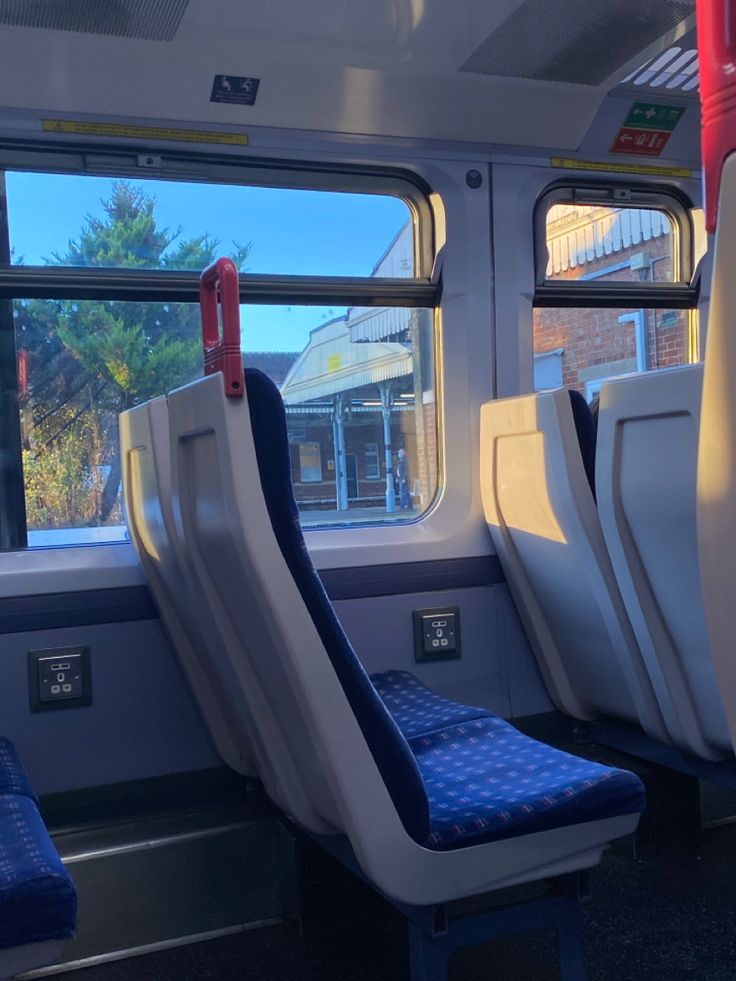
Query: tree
x: 99, y: 358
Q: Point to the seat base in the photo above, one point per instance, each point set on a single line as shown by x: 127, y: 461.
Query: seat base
x: 631, y: 740
x: 433, y: 939
x: 436, y: 932
x: 18, y: 960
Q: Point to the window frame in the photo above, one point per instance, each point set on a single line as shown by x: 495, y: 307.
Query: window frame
x: 317, y: 454
x: 424, y: 290
x: 373, y: 453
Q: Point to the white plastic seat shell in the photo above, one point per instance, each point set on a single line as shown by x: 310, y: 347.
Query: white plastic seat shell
x: 144, y: 446
x: 646, y: 481
x: 317, y: 765
x: 544, y: 525
x: 716, y: 487
x: 28, y: 957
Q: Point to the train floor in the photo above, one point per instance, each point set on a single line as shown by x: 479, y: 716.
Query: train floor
x: 667, y: 917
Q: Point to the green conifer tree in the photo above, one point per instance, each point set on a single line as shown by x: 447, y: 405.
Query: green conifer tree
x: 103, y: 357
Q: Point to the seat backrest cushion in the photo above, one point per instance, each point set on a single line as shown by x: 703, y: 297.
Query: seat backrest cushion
x: 390, y: 750
x: 586, y: 433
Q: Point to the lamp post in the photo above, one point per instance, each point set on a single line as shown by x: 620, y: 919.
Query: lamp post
x: 338, y: 440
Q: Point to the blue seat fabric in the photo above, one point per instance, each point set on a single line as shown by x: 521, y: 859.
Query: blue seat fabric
x: 390, y: 750
x: 37, y: 896
x: 587, y: 434
x: 488, y: 781
x: 13, y: 779
x: 457, y: 774
x: 416, y: 709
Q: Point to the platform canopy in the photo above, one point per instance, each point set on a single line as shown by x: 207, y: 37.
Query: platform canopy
x: 331, y: 363
x: 579, y: 235
x: 370, y: 324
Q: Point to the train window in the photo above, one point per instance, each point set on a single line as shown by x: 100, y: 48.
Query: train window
x: 613, y: 291
x: 354, y: 359
x: 175, y: 224
x: 605, y: 236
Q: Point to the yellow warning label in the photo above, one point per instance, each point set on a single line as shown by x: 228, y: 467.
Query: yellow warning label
x: 620, y: 168
x: 334, y: 362
x: 126, y: 130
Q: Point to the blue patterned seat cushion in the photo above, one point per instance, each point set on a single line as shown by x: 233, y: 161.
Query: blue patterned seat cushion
x: 416, y: 709
x: 37, y: 896
x: 487, y: 781
x: 13, y: 779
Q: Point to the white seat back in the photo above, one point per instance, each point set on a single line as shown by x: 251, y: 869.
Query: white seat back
x: 144, y: 445
x: 544, y: 524
x: 717, y: 451
x: 254, y: 605
x: 646, y: 480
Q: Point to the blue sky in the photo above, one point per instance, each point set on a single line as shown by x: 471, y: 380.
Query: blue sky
x: 292, y: 232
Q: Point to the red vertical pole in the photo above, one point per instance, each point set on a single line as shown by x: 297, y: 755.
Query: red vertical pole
x: 716, y: 25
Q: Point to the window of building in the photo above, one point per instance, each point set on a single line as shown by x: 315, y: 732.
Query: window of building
x: 613, y: 291
x: 372, y: 461
x: 310, y: 463
x: 98, y: 312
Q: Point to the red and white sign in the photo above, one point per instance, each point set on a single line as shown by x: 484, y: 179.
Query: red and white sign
x: 640, y: 142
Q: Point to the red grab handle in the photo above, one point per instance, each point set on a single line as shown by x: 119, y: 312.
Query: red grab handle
x: 222, y: 353
x: 716, y: 23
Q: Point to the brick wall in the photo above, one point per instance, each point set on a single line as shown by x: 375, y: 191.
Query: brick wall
x: 594, y: 343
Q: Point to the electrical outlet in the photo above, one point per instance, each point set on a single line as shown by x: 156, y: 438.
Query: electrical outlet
x: 59, y: 677
x: 437, y: 634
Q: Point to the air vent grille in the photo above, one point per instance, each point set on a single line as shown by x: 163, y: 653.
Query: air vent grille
x: 674, y: 70
x: 150, y: 20
x: 575, y: 41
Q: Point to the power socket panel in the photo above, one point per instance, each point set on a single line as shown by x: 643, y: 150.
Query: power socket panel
x: 59, y: 677
x: 437, y: 634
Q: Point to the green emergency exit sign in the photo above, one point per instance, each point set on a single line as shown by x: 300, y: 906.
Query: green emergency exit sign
x: 649, y: 115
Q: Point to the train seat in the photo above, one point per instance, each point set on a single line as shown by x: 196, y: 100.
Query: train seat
x: 144, y: 447
x: 38, y: 902
x: 144, y: 438
x: 544, y: 524
x: 425, y: 820
x: 13, y: 778
x: 647, y: 473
